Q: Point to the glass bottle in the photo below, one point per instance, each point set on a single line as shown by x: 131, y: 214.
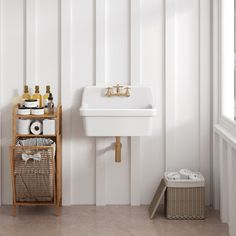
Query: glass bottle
x: 46, y: 95
x: 50, y: 104
x: 37, y: 96
x: 26, y: 94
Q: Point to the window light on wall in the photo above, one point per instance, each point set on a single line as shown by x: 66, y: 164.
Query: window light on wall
x: 227, y: 59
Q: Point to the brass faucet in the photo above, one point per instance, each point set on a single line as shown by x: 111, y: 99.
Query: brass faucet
x: 118, y: 87
x: 118, y: 91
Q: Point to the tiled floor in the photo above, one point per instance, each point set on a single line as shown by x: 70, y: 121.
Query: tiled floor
x: 103, y: 221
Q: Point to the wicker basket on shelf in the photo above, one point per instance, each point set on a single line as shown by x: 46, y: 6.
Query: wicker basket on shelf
x: 34, y: 179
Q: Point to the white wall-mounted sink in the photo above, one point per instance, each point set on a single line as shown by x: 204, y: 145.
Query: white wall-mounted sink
x: 117, y: 116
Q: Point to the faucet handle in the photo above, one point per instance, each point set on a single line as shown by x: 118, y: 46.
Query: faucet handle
x: 118, y: 86
x: 127, y: 92
x: 109, y: 91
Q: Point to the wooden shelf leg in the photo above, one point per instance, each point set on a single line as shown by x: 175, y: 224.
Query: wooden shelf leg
x: 13, y: 211
x: 57, y: 210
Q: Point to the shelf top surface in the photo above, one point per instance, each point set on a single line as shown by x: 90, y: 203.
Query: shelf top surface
x: 36, y: 116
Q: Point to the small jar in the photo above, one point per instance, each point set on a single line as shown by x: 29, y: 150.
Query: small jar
x: 37, y: 111
x: 31, y: 103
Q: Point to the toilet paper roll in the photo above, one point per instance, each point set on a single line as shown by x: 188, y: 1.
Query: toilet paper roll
x: 36, y: 127
x: 23, y: 126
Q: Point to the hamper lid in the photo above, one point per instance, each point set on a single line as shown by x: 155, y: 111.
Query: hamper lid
x: 157, y: 199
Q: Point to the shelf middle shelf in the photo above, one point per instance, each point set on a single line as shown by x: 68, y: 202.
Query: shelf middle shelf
x: 35, y: 136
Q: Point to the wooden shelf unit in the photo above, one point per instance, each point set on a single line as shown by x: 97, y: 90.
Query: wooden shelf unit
x: 57, y: 198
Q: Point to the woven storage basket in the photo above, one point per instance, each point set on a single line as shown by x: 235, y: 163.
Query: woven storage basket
x: 34, y: 180
x: 185, y: 203
x: 185, y: 200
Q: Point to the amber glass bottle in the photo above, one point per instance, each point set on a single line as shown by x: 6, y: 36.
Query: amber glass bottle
x: 26, y: 94
x: 37, y: 96
x: 46, y: 95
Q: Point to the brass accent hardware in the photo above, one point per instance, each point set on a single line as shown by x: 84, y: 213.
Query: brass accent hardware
x: 118, y: 87
x: 118, y: 91
x: 109, y: 92
x: 127, y: 92
x: 118, y: 150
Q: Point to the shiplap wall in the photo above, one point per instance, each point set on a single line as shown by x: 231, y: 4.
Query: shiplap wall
x: 224, y: 163
x: 71, y: 44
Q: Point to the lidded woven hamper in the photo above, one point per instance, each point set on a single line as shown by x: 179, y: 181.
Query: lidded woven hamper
x: 185, y: 198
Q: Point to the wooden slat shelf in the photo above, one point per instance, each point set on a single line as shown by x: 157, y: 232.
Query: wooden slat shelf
x: 57, y: 197
x: 34, y: 136
x: 36, y: 116
x: 35, y: 203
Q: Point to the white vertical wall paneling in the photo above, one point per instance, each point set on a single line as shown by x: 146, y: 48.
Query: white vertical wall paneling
x: 118, y: 174
x: 152, y: 75
x: 215, y: 101
x: 205, y: 94
x: 31, y: 42
x: 135, y: 184
x: 223, y: 180
x: 66, y: 97
x: 101, y: 40
x: 134, y: 41
x: 186, y: 85
x: 169, y: 82
x: 101, y: 156
x: 112, y: 38
x: 118, y: 42
x: 13, y: 79
x: 83, y: 74
x: 182, y: 95
x: 47, y: 50
x: 118, y: 71
x: 135, y: 72
x: 1, y: 29
x: 225, y: 150
x: 216, y: 172
x: 101, y: 80
x: 215, y: 59
x: 232, y: 189
x: 229, y: 153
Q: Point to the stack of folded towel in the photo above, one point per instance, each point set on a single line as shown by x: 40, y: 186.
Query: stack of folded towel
x: 184, y: 174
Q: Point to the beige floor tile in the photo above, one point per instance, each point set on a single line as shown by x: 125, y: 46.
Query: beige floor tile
x: 103, y: 221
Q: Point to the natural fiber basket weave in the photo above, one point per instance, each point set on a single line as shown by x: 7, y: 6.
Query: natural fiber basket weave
x: 34, y: 179
x: 185, y: 203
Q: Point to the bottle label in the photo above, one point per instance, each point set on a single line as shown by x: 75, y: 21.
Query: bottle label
x: 22, y: 104
x: 45, y: 102
x: 38, y: 102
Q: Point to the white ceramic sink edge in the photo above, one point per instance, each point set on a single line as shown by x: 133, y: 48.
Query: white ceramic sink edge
x: 117, y: 112
x: 117, y: 116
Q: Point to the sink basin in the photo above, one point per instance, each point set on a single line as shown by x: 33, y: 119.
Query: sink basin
x: 117, y: 116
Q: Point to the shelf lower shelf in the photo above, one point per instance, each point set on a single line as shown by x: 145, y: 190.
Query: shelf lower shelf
x: 35, y: 136
x: 35, y: 203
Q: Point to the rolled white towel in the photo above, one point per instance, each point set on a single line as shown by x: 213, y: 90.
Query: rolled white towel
x: 185, y: 173
x: 195, y: 177
x: 173, y: 176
